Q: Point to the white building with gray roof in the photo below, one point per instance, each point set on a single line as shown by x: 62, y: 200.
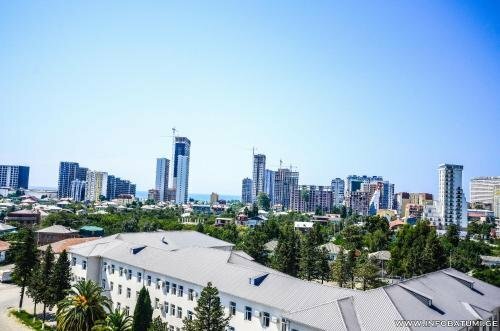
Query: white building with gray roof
x: 175, y: 266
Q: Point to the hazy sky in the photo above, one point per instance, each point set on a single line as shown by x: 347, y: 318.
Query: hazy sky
x: 389, y: 88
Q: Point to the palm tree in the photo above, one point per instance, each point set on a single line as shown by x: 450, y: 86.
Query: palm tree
x: 116, y: 321
x: 82, y: 308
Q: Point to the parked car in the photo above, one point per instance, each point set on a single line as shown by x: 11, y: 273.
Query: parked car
x: 5, y: 276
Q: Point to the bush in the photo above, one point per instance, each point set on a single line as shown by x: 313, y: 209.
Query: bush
x: 27, y: 319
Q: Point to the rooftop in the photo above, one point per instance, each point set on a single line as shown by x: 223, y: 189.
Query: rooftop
x: 4, y: 246
x: 65, y: 244
x: 57, y: 229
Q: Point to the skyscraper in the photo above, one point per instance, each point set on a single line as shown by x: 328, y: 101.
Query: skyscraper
x: 286, y: 189
x: 259, y: 167
x: 482, y: 189
x: 97, y: 185
x: 182, y: 176
x: 116, y: 186
x: 67, y: 173
x: 162, y: 173
x: 77, y: 192
x: 451, y: 195
x: 338, y: 186
x: 269, y: 184
x: 182, y: 147
x: 246, y: 191
x: 14, y: 176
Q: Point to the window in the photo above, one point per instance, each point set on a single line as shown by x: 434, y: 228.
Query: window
x: 248, y: 313
x: 118, y: 305
x: 136, y: 294
x: 127, y: 310
x: 120, y: 271
x: 265, y: 319
x: 172, y: 310
x: 112, y: 268
x: 230, y: 328
x: 165, y: 307
x: 111, y: 286
x: 139, y: 277
x: 171, y: 328
x: 119, y: 289
x: 103, y: 283
x: 149, y: 281
x: 190, y: 315
x: 174, y: 288
x: 190, y: 294
x: 158, y: 283
x: 129, y: 292
x: 129, y: 274
x: 232, y: 308
x: 167, y: 287
x: 157, y: 303
x: 73, y: 261
x: 84, y: 265
x: 181, y: 291
x: 105, y: 267
x: 179, y: 312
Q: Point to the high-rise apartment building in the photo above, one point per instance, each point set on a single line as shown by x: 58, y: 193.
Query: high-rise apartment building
x: 246, y: 191
x: 451, y: 195
x: 182, y: 177
x: 67, y: 173
x: 482, y: 189
x: 97, y: 185
x: 354, y: 183
x: 77, y: 192
x: 81, y: 173
x: 162, y: 173
x: 258, y: 180
x: 286, y: 189
x: 269, y: 184
x: 117, y: 186
x: 182, y: 147
x: 358, y: 202
x: 338, y: 187
x: 214, y: 198
x: 14, y: 176
x: 313, y: 198
x: 496, y: 201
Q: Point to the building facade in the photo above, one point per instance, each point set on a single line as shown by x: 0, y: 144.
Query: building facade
x: 246, y: 191
x: 67, y: 173
x: 182, y: 178
x: 258, y: 180
x: 286, y: 189
x: 77, y: 192
x: 314, y: 198
x: 162, y: 175
x: 116, y: 186
x: 269, y: 176
x: 451, y: 195
x: 338, y: 188
x: 182, y: 147
x: 96, y: 186
x: 482, y: 189
x: 14, y: 176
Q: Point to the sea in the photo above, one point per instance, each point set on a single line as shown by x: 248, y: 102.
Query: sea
x: 143, y: 195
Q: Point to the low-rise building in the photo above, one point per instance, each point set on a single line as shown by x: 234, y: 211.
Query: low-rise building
x: 4, y: 247
x: 175, y: 267
x: 24, y: 217
x: 55, y: 233
x: 6, y: 228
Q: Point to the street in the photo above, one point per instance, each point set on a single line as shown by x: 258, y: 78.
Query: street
x: 9, y: 298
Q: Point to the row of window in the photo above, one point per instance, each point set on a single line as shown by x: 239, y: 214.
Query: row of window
x: 266, y: 318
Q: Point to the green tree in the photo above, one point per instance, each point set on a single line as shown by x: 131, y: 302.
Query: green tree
x: 209, y: 312
x: 308, y: 260
x: 376, y: 241
x: 143, y: 312
x: 367, y: 271
x: 254, y: 245
x: 323, y: 267
x: 263, y: 201
x: 158, y: 325
x: 353, y: 236
x: 25, y: 259
x: 339, y: 269
x: 47, y: 267
x: 83, y: 307
x: 35, y: 288
x: 286, y: 255
x: 115, y: 321
x: 61, y: 278
x: 350, y: 266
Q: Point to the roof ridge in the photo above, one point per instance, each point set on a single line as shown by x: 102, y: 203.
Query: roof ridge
x: 319, y: 305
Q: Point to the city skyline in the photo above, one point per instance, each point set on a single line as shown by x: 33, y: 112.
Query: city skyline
x: 332, y: 89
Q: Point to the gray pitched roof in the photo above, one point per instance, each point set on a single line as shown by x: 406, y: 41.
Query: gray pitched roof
x: 57, y: 229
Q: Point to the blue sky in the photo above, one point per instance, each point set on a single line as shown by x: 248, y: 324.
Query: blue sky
x: 389, y: 88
